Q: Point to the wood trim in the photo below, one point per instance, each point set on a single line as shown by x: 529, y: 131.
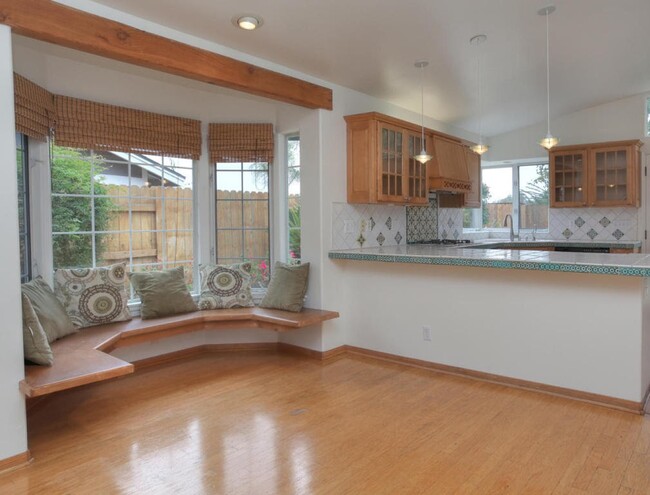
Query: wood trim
x: 601, y: 400
x: 48, y: 21
x: 195, y: 351
x: 15, y: 461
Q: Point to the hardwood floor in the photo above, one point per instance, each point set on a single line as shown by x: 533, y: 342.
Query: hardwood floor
x: 267, y: 423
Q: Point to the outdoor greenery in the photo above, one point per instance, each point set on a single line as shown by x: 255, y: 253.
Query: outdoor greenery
x: 648, y: 117
x: 536, y: 192
x: 294, y: 233
x: 74, y: 173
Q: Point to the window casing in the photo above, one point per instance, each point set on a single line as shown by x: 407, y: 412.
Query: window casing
x: 111, y: 207
x: 520, y: 190
x: 242, y: 217
x: 293, y: 200
x: 22, y: 161
x: 647, y: 117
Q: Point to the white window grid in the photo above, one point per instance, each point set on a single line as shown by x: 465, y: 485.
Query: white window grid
x: 295, y: 165
x: 23, y: 195
x: 130, y: 200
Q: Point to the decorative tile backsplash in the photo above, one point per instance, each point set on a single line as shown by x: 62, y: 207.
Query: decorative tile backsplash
x: 450, y: 223
x: 422, y: 222
x: 355, y: 226
x: 596, y: 224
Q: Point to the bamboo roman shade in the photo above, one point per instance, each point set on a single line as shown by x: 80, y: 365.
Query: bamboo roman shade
x: 241, y: 143
x: 34, y: 107
x: 91, y: 125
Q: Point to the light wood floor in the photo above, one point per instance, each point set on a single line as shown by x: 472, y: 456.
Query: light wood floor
x: 265, y: 423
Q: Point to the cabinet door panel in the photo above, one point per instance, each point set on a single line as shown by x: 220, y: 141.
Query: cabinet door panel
x: 569, y: 186
x: 391, y: 184
x: 613, y: 176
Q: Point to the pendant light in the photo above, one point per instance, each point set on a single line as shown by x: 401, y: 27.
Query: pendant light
x: 549, y: 141
x: 423, y: 157
x: 480, y: 147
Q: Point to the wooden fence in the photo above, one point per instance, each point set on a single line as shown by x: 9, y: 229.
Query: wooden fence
x: 163, y: 229
x: 530, y: 215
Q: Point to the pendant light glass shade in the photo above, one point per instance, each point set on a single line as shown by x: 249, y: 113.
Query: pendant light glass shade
x: 549, y: 141
x: 423, y: 157
x: 480, y: 147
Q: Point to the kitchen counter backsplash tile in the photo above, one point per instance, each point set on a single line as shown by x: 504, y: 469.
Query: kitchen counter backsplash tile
x: 385, y: 225
x: 422, y: 222
x: 594, y: 224
x: 450, y: 223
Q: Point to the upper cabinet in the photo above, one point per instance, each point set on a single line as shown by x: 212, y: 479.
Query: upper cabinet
x: 599, y: 174
x: 382, y: 167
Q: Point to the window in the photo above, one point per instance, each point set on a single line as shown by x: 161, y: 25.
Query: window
x: 647, y: 117
x: 110, y: 207
x: 293, y: 199
x: 520, y: 190
x: 242, y: 217
x: 23, y: 207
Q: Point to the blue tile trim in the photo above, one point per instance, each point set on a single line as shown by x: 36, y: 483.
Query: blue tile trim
x: 628, y: 271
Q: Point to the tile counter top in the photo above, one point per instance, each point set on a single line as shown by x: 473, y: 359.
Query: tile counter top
x: 504, y: 243
x: 636, y: 265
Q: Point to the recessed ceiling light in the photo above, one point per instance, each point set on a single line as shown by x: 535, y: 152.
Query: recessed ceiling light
x: 248, y: 22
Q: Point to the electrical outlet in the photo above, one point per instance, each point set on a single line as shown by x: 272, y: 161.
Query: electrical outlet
x: 426, y: 334
x: 348, y: 227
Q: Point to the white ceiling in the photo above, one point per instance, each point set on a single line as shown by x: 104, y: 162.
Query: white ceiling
x: 600, y: 49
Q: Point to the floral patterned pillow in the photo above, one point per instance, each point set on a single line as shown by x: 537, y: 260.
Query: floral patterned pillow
x: 226, y: 286
x: 93, y: 296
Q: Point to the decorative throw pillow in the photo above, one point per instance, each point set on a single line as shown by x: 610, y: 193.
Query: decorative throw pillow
x: 36, y: 347
x: 50, y: 312
x: 93, y: 296
x: 226, y: 286
x: 287, y: 288
x: 162, y: 293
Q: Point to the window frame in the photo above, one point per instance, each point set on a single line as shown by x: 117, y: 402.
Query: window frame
x: 22, y: 146
x: 647, y: 116
x: 516, y: 195
x: 287, y: 234
x: 257, y: 292
x: 42, y: 221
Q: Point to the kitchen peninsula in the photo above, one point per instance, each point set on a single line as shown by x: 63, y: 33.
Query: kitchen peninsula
x: 575, y: 324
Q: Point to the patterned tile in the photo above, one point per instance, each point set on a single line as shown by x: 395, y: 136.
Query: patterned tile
x: 389, y: 223
x: 604, y: 221
x: 579, y: 222
x: 381, y: 239
x: 398, y: 237
x: 372, y: 224
x: 567, y: 233
x: 592, y: 234
x: 450, y: 223
x: 355, y: 215
x: 618, y: 234
x: 361, y: 240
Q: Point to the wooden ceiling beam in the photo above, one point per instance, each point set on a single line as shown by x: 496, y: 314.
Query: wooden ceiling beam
x: 62, y: 25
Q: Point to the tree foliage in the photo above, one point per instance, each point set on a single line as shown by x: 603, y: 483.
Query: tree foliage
x: 75, y: 173
x: 536, y: 192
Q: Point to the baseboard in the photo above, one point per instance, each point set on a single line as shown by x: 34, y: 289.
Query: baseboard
x: 191, y: 352
x: 15, y: 461
x: 332, y: 354
x: 597, y: 399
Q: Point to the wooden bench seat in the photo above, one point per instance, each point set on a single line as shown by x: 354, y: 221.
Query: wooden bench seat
x: 82, y: 358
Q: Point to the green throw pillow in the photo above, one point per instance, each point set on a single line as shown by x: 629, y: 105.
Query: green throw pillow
x: 226, y: 286
x: 50, y: 312
x: 162, y: 293
x: 287, y: 288
x: 36, y: 347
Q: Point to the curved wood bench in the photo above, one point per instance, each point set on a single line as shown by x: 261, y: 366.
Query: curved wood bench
x: 82, y: 358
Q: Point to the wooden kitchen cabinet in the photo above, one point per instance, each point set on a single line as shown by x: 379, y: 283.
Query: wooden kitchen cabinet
x: 381, y: 167
x: 598, y: 174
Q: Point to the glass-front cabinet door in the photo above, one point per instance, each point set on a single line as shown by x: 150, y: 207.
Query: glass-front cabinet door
x: 416, y: 173
x: 391, y: 176
x: 614, y: 179
x: 569, y: 180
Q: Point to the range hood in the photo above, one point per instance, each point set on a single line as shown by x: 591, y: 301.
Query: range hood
x: 448, y: 171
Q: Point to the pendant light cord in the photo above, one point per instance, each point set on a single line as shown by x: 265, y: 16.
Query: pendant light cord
x: 480, y: 101
x: 548, y: 81
x: 422, y: 102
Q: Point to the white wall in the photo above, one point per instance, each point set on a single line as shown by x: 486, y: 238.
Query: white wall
x: 13, y: 429
x: 580, y: 331
x: 617, y: 120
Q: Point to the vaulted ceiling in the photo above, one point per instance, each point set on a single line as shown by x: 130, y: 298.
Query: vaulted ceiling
x: 600, y: 49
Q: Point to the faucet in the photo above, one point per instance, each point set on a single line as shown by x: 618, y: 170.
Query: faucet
x: 534, y: 232
x: 512, y: 232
